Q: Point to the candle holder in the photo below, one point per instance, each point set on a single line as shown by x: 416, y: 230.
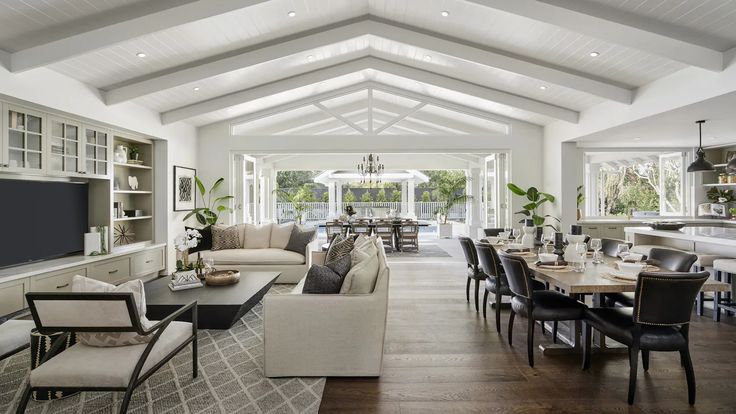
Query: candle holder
x: 559, y: 246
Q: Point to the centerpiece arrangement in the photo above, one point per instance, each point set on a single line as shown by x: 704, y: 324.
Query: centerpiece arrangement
x: 186, y: 274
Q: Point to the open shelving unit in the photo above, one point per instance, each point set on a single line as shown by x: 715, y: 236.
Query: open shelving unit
x: 139, y: 229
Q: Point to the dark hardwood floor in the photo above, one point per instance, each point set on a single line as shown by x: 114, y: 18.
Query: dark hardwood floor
x: 442, y: 356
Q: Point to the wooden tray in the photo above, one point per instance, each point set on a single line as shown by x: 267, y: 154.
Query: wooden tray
x: 222, y: 278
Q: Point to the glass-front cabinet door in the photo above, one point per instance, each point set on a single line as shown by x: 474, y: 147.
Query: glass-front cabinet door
x: 23, y: 140
x: 96, y: 151
x: 65, y: 149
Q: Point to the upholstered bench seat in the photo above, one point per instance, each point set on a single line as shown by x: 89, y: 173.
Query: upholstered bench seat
x: 14, y: 335
x: 89, y: 366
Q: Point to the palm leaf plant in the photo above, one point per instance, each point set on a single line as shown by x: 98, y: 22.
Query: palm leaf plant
x: 450, y: 191
x: 536, y: 199
x: 298, y: 199
x: 210, y: 213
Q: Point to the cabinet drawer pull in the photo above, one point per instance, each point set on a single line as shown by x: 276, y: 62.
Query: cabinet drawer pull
x: 113, y: 271
x: 63, y: 286
x: 149, y: 261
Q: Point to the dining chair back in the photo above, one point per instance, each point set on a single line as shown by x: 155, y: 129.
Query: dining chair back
x: 409, y: 235
x: 488, y: 260
x: 672, y: 260
x: 385, y: 230
x: 666, y: 298
x: 333, y: 228
x: 493, y: 232
x: 518, y: 275
x: 471, y: 257
x: 609, y: 247
x: 361, y: 227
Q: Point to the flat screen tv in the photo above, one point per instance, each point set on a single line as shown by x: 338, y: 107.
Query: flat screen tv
x: 41, y: 220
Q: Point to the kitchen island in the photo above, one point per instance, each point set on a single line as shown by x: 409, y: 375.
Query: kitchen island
x: 698, y: 239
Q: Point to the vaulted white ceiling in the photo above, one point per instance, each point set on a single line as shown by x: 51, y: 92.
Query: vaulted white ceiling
x: 213, y: 60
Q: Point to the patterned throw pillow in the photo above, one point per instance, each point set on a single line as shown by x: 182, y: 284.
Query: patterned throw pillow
x: 299, y: 239
x: 108, y: 339
x: 224, y: 238
x: 339, y: 247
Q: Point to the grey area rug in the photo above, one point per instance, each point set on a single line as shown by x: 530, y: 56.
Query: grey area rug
x: 230, y: 380
x: 425, y: 250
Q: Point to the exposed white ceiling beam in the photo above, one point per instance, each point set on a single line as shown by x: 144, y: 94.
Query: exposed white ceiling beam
x: 340, y: 118
x: 127, y: 23
x: 361, y: 64
x: 400, y: 117
x: 479, y: 91
x: 344, y: 31
x: 5, y: 59
x: 593, y: 20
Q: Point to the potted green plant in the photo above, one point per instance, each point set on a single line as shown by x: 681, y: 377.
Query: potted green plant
x: 536, y: 200
x: 134, y: 153
x: 209, y: 214
x: 298, y: 199
x: 450, y: 191
x: 579, y: 201
x: 732, y: 212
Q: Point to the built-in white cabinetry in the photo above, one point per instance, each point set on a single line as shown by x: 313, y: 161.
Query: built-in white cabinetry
x: 23, y: 141
x: 97, y: 151
x: 64, y: 147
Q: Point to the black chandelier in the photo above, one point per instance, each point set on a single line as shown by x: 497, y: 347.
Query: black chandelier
x: 370, y: 168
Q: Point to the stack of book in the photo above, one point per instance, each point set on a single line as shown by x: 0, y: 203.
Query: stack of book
x: 184, y: 280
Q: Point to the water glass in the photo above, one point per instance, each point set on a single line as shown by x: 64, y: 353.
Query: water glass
x: 596, y: 245
x: 622, y: 250
x: 581, y: 250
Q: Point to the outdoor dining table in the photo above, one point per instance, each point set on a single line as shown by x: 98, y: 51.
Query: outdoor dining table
x: 592, y: 281
x: 395, y: 224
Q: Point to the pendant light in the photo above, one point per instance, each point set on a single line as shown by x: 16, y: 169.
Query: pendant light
x: 700, y: 163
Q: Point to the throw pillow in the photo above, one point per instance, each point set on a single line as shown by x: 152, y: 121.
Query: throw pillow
x: 299, y: 239
x: 340, y: 266
x: 280, y: 234
x: 322, y: 279
x: 205, y: 243
x: 224, y: 238
x: 108, y: 339
x: 257, y: 237
x: 362, y: 276
x: 339, y: 247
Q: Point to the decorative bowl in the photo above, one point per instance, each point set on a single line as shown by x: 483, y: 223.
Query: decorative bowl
x: 666, y: 225
x: 222, y: 278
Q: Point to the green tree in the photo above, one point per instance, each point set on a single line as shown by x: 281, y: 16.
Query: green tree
x: 294, y: 179
x: 451, y: 191
x: 381, y: 196
x: 366, y: 197
x: 305, y: 193
x: 325, y: 197
x: 349, y: 197
x: 396, y: 196
x: 426, y: 197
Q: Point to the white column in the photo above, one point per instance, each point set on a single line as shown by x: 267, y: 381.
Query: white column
x: 473, y: 206
x: 338, y: 198
x: 332, y: 200
x: 264, y: 206
x: 404, y: 197
x: 410, y: 198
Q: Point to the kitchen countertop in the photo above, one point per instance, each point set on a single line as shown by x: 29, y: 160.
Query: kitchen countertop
x: 642, y: 220
x: 704, y: 234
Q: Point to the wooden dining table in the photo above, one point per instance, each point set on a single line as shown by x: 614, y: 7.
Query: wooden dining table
x: 595, y: 280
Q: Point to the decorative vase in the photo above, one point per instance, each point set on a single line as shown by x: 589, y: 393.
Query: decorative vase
x: 580, y: 214
x: 527, y: 240
x: 538, y: 236
x: 121, y: 154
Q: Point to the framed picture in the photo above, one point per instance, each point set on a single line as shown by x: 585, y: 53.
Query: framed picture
x: 185, y: 193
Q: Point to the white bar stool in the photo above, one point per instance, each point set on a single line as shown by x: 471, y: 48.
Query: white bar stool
x: 704, y: 261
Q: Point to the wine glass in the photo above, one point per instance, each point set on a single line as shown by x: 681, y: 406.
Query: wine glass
x: 596, y: 245
x: 516, y: 234
x: 622, y: 250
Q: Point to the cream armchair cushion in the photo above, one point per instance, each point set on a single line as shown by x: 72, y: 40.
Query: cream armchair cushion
x: 82, y: 284
x: 257, y: 237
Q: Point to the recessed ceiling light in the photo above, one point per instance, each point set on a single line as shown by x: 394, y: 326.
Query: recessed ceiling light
x: 637, y: 139
x: 543, y: 87
x: 291, y: 13
x: 594, y: 54
x: 310, y: 58
x: 444, y: 13
x: 141, y: 54
x: 196, y: 88
x: 427, y: 58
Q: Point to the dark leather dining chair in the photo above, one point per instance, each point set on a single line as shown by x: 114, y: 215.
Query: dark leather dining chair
x: 609, y: 247
x: 535, y: 305
x: 659, y: 321
x: 493, y: 232
x: 667, y: 260
x: 496, y: 282
x: 475, y: 272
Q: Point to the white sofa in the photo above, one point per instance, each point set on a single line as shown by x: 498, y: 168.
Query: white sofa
x: 262, y: 249
x: 336, y: 335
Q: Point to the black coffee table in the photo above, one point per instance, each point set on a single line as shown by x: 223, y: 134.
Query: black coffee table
x: 218, y: 307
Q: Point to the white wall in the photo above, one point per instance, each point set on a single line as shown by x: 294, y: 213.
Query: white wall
x: 52, y: 90
x: 524, y: 143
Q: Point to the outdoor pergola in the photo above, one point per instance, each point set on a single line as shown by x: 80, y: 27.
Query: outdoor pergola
x: 335, y: 179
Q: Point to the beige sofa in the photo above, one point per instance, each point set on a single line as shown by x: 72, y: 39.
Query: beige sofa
x: 338, y: 335
x: 262, y: 249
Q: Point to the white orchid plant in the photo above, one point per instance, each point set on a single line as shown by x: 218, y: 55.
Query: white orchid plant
x: 186, y: 240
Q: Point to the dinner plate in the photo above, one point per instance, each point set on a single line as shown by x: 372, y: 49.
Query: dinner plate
x: 552, y: 267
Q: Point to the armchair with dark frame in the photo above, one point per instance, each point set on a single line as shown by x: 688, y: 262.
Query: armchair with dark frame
x: 123, y: 368
x: 659, y: 321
